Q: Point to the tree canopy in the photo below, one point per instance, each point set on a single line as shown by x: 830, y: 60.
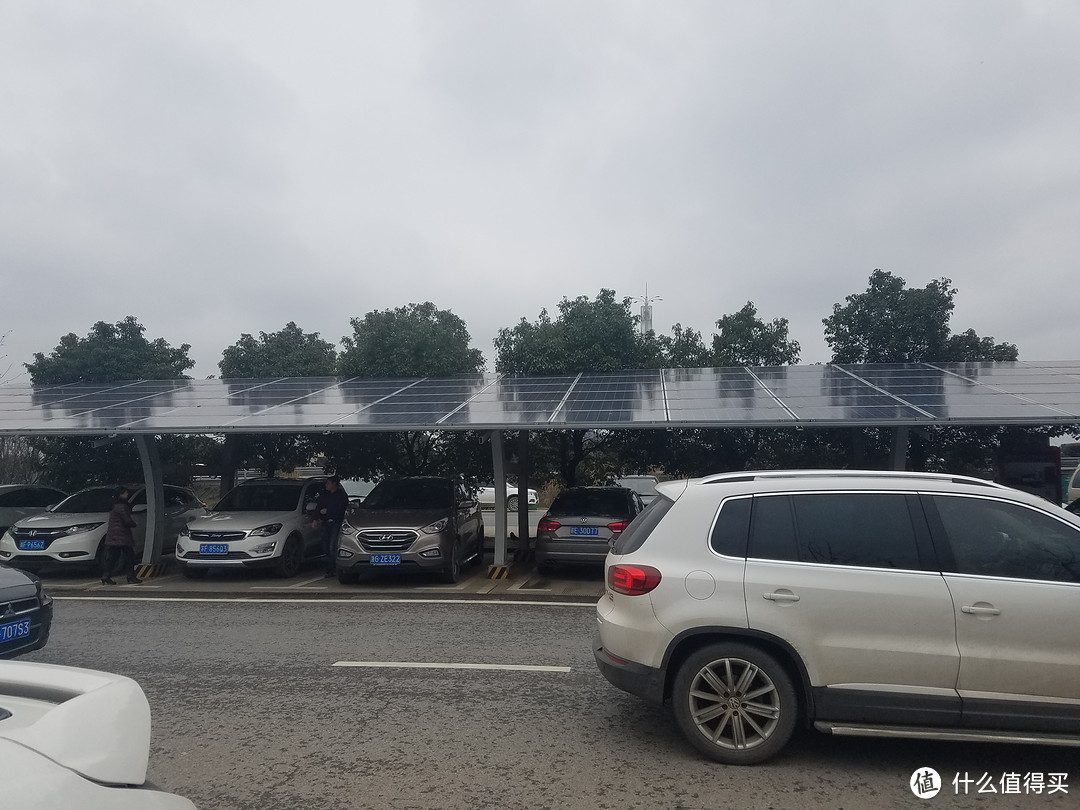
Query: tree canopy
x: 289, y: 352
x: 110, y: 352
x: 417, y: 340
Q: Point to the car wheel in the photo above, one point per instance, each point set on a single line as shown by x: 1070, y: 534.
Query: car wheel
x: 545, y: 569
x: 452, y: 572
x: 195, y: 573
x: 348, y: 577
x: 735, y: 703
x: 97, y: 567
x: 291, y: 559
x: 512, y: 503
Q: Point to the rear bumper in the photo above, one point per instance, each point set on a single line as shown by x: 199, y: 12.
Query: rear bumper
x: 40, y: 625
x: 637, y: 679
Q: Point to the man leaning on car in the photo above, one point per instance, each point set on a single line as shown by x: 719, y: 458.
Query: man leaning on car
x: 330, y: 509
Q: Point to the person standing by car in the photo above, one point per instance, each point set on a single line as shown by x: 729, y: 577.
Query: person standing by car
x: 119, y: 541
x: 330, y: 510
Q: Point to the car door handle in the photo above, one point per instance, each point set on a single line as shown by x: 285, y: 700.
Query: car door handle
x: 980, y: 610
x: 782, y: 596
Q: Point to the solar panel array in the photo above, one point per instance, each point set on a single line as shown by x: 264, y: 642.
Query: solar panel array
x: 819, y: 395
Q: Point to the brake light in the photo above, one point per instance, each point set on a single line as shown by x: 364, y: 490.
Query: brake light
x: 618, y: 526
x: 632, y: 580
x: 547, y: 525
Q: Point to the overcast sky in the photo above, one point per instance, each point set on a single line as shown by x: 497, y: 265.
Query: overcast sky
x: 216, y: 167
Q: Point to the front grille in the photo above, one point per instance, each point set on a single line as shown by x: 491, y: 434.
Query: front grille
x: 217, y: 537
x: 17, y: 607
x: 47, y: 535
x: 232, y: 555
x: 379, y: 541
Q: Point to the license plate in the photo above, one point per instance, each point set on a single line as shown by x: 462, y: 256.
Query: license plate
x: 31, y: 545
x: 213, y: 548
x: 14, y: 630
x: 590, y: 531
x: 385, y: 559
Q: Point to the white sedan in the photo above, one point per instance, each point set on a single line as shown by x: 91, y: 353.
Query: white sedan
x: 75, y: 738
x: 486, y: 498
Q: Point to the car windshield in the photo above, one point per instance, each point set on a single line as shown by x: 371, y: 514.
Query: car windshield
x: 642, y: 486
x: 409, y: 494
x: 89, y: 500
x: 261, y: 498
x: 590, y: 502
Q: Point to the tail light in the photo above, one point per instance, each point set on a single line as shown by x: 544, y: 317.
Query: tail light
x: 632, y: 580
x: 547, y: 525
x: 618, y: 526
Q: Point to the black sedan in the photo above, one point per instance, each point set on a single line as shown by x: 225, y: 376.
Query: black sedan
x: 25, y: 613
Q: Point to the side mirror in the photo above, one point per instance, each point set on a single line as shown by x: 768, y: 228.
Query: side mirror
x: 51, y: 506
x: 138, y: 508
x: 310, y: 507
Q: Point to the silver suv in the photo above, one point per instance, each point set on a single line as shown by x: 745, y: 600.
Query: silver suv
x: 860, y: 603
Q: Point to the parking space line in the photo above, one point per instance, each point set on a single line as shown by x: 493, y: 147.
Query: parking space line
x: 308, y: 582
x: 416, y: 665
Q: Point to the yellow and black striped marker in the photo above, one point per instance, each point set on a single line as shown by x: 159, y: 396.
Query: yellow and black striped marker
x: 498, y: 572
x: 148, y: 571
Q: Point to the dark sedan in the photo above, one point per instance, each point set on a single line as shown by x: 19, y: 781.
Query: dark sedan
x: 25, y: 613
x: 581, y: 523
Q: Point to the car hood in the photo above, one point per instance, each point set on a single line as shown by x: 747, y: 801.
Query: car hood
x: 16, y: 584
x: 57, y: 520
x: 238, y: 521
x: 411, y: 518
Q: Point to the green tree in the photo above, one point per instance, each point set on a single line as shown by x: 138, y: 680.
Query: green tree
x: 417, y: 340
x: 109, y: 353
x: 290, y: 352
x: 743, y: 339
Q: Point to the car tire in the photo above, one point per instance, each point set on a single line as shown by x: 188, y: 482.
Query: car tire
x: 97, y: 567
x: 195, y: 573
x: 512, y: 503
x: 348, y: 577
x: 291, y: 559
x: 452, y: 572
x: 735, y: 703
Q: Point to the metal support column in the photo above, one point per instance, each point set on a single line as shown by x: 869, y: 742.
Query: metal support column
x: 523, y: 495
x: 155, y: 498
x: 499, y: 484
x: 900, y: 443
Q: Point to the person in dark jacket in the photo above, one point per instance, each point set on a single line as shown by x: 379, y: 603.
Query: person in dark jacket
x: 330, y: 510
x: 119, y: 541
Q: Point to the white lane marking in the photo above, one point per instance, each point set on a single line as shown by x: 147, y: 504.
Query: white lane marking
x: 413, y: 665
x: 252, y: 600
x: 307, y: 582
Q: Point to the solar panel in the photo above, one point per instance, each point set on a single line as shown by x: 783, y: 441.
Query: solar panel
x: 821, y: 395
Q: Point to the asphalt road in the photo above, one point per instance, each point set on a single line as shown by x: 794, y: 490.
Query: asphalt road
x: 250, y: 713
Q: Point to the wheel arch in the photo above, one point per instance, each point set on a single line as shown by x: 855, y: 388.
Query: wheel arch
x: 688, y: 642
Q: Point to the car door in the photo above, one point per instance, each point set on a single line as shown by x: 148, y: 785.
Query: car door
x: 312, y: 534
x: 1014, y: 575
x: 848, y: 580
x: 467, y: 517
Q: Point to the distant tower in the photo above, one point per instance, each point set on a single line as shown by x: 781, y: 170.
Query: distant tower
x: 645, y: 313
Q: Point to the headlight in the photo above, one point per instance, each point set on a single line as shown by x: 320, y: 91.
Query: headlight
x: 437, y: 526
x: 82, y: 527
x: 347, y: 529
x: 265, y: 531
x: 185, y: 532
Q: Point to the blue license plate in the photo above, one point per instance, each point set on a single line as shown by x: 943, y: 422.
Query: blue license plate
x: 31, y: 545
x: 590, y: 531
x: 213, y: 548
x: 14, y: 630
x: 385, y: 559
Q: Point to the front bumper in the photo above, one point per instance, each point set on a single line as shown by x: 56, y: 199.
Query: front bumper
x: 241, y: 554
x: 71, y: 549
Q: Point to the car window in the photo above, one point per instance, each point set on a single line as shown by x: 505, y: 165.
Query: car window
x: 45, y: 497
x: 15, y: 498
x: 261, y: 498
x: 89, y: 500
x: 174, y: 497
x: 731, y: 528
x: 868, y: 529
x: 639, y: 530
x: 406, y: 493
x: 998, y: 539
x: 590, y: 502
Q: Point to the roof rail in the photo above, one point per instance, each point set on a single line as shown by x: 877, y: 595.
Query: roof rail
x: 753, y: 475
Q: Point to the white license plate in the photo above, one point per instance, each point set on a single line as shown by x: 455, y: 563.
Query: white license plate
x: 385, y: 559
x: 15, y: 630
x: 31, y: 545
x: 213, y: 548
x: 589, y: 531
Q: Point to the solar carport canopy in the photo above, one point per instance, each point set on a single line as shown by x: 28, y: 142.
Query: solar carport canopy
x: 817, y: 395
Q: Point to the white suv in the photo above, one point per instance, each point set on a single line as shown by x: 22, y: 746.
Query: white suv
x: 861, y: 603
